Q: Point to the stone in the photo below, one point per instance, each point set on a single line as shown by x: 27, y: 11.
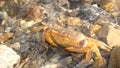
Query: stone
x: 8, y: 29
x: 8, y: 57
x: 24, y: 24
x: 114, y: 61
x: 16, y: 46
x: 35, y: 13
x: 109, y: 34
x: 90, y: 12
x: 108, y: 5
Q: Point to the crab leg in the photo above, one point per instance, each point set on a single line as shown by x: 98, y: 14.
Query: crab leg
x: 47, y: 37
x: 100, y: 59
x: 88, y: 55
x: 86, y: 50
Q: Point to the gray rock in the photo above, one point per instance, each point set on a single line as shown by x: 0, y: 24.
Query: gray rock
x: 16, y: 46
x: 90, y: 12
x: 8, y: 57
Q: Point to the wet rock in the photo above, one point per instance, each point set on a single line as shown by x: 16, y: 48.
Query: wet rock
x: 114, y: 61
x: 109, y: 34
x: 51, y: 13
x: 70, y: 21
x: 8, y: 57
x: 108, y: 5
x: 90, y: 12
x: 35, y: 13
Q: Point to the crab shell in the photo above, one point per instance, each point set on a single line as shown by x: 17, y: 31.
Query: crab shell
x: 66, y: 38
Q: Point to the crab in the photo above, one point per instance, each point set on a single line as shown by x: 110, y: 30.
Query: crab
x: 75, y: 41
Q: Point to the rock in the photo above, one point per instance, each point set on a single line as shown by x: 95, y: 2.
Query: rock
x: 3, y: 14
x: 8, y: 57
x: 82, y: 65
x: 70, y: 21
x: 25, y: 47
x: 8, y: 29
x: 86, y: 1
x: 114, y: 61
x: 66, y: 60
x: 47, y: 1
x: 55, y: 58
x: 108, y: 5
x: 11, y: 8
x: 50, y: 65
x: 113, y: 37
x: 35, y: 13
x: 90, y: 12
x: 16, y: 46
x: 109, y: 34
x: 24, y: 24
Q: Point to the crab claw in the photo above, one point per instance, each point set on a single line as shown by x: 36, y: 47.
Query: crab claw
x: 104, y: 46
x: 100, y: 44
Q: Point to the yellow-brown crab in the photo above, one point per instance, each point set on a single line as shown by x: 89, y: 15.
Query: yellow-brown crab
x: 75, y: 42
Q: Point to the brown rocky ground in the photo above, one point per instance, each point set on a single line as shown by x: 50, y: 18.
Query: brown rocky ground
x: 21, y: 31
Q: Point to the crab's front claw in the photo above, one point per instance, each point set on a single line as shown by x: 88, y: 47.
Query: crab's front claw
x: 99, y: 44
x: 103, y: 46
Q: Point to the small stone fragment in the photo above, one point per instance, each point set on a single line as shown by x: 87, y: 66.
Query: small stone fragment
x: 16, y: 46
x: 8, y: 29
x: 24, y: 24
